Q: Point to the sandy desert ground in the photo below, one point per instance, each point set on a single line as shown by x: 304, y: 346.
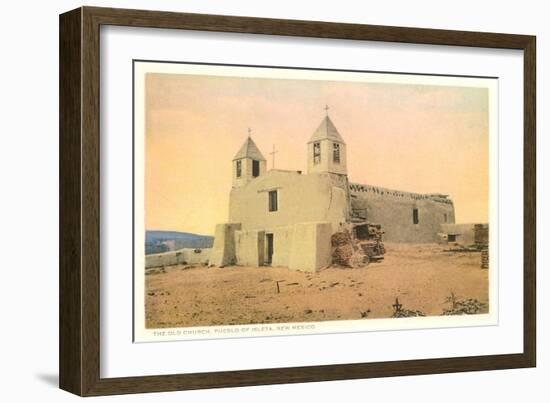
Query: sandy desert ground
x: 421, y: 276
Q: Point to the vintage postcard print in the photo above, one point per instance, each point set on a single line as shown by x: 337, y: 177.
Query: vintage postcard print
x: 285, y: 201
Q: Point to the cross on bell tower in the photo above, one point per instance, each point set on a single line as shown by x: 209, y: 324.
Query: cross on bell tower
x: 272, y: 153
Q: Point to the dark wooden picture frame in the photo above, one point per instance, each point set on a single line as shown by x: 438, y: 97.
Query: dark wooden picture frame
x: 79, y: 347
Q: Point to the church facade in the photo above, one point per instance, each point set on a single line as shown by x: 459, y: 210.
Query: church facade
x: 287, y: 218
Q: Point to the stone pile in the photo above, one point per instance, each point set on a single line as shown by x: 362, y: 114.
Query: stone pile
x: 485, y: 259
x: 346, y: 252
x: 481, y: 235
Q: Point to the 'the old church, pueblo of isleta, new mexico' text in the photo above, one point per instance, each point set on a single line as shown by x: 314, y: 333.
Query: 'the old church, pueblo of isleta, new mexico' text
x: 287, y: 218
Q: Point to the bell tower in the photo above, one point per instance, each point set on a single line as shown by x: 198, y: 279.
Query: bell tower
x: 326, y: 149
x: 248, y: 163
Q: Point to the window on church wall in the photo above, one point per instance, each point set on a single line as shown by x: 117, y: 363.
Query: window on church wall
x: 444, y: 217
x: 255, y: 168
x: 336, y: 153
x: 272, y: 201
x: 239, y: 169
x: 415, y: 216
x: 316, y: 153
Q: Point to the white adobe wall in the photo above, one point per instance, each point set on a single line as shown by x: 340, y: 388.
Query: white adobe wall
x: 311, y: 246
x: 282, y: 243
x: 250, y: 248
x: 181, y: 256
x: 303, y: 246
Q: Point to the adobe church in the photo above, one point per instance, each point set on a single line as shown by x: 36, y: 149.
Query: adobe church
x: 287, y: 218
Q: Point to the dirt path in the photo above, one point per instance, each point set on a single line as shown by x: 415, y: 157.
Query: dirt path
x: 422, y: 276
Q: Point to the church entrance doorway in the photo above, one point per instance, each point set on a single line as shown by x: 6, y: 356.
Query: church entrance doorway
x: 269, y: 255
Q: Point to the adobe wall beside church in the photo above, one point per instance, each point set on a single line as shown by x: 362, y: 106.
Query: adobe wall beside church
x: 394, y: 211
x: 301, y: 198
x: 180, y: 256
x: 465, y: 233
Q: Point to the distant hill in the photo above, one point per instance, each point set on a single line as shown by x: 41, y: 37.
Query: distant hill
x: 164, y: 241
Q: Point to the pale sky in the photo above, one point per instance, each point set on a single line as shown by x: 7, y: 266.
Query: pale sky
x: 416, y: 138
